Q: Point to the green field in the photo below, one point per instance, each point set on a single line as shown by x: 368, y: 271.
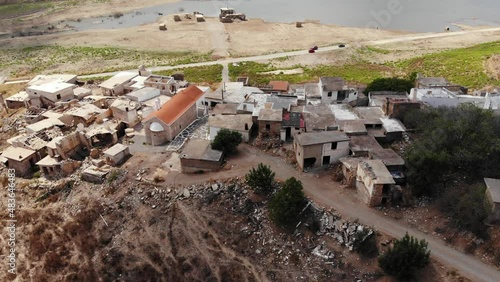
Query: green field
x: 19, y: 9
x: 361, y: 72
x: 208, y: 74
x: 463, y: 66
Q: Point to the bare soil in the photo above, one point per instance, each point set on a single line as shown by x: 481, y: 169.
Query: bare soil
x: 492, y: 66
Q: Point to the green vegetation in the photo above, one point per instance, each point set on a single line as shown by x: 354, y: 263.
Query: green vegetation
x: 209, y: 74
x: 364, y: 73
x: 406, y: 257
x: 365, y: 243
x: 19, y: 9
x: 463, y: 66
x: 467, y: 207
x: 287, y: 203
x: 390, y: 84
x: 227, y: 141
x: 370, y: 49
x: 454, y: 145
x: 261, y: 179
x: 87, y: 60
x: 455, y: 148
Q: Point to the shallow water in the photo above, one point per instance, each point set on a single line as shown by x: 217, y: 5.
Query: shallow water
x: 408, y: 15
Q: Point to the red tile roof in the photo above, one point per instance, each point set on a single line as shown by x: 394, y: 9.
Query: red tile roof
x: 176, y: 106
x: 279, y: 85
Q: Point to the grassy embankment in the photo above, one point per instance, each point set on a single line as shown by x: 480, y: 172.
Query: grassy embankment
x: 87, y: 60
x: 19, y: 9
x: 206, y: 74
x: 463, y: 66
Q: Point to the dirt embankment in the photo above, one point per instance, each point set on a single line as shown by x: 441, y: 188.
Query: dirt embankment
x: 492, y: 66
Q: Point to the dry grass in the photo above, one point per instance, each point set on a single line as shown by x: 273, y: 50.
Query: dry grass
x: 11, y: 89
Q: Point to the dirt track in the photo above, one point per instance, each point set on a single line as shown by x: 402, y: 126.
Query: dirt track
x: 326, y: 191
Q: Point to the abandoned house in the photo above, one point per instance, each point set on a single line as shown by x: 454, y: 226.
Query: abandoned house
x: 36, y: 141
x: 240, y: 123
x: 44, y: 79
x: 269, y: 122
x: 95, y: 174
x: 18, y: 100
x: 292, y: 123
x: 280, y: 87
x: 44, y: 124
x: 166, y: 84
x: 117, y: 154
x: 198, y: 156
x: 231, y: 93
x: 47, y: 95
x: 179, y: 112
x: 125, y: 110
x: 53, y: 166
x: 320, y: 148
x: 143, y: 94
x: 319, y: 118
x: 81, y: 92
x: 85, y: 114
x: 100, y: 135
x: 20, y: 159
x: 115, y: 86
x: 375, y: 184
x: 334, y: 91
x: 393, y: 129
x: 493, y: 197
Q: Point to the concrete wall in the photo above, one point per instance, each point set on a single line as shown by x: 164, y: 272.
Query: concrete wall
x: 193, y: 166
x: 319, y: 151
x: 245, y: 135
x: 129, y: 117
x: 274, y: 131
x: 14, y: 104
x: 66, y: 146
x: 366, y: 186
x: 118, y: 158
x: 66, y: 94
x: 23, y: 168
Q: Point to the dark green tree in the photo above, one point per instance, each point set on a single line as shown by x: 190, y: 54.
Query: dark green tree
x: 227, y: 141
x: 406, y: 257
x: 365, y: 243
x: 467, y: 207
x: 287, y: 203
x: 390, y: 84
x: 453, y: 143
x: 261, y: 179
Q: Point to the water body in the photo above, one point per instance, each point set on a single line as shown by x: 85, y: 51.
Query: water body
x: 407, y: 15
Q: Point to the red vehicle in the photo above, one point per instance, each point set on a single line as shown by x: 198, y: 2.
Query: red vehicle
x: 311, y: 50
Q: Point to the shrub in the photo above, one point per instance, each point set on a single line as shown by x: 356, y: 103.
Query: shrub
x: 468, y: 208
x: 226, y: 141
x: 287, y: 203
x: 406, y: 257
x: 261, y: 179
x: 390, y: 84
x: 365, y: 243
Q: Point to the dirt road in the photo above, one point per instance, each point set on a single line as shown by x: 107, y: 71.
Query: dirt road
x: 327, y: 193
x: 406, y: 38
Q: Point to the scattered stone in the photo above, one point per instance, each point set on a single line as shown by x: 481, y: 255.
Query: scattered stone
x: 186, y: 193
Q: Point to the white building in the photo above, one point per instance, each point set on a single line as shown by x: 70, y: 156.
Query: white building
x: 334, y: 91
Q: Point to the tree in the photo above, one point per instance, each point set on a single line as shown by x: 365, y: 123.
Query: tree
x: 390, y: 84
x: 463, y: 140
x: 406, y: 257
x: 261, y: 179
x: 227, y: 141
x: 287, y: 203
x: 365, y: 242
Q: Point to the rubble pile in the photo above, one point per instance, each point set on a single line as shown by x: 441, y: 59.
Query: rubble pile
x: 342, y: 230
